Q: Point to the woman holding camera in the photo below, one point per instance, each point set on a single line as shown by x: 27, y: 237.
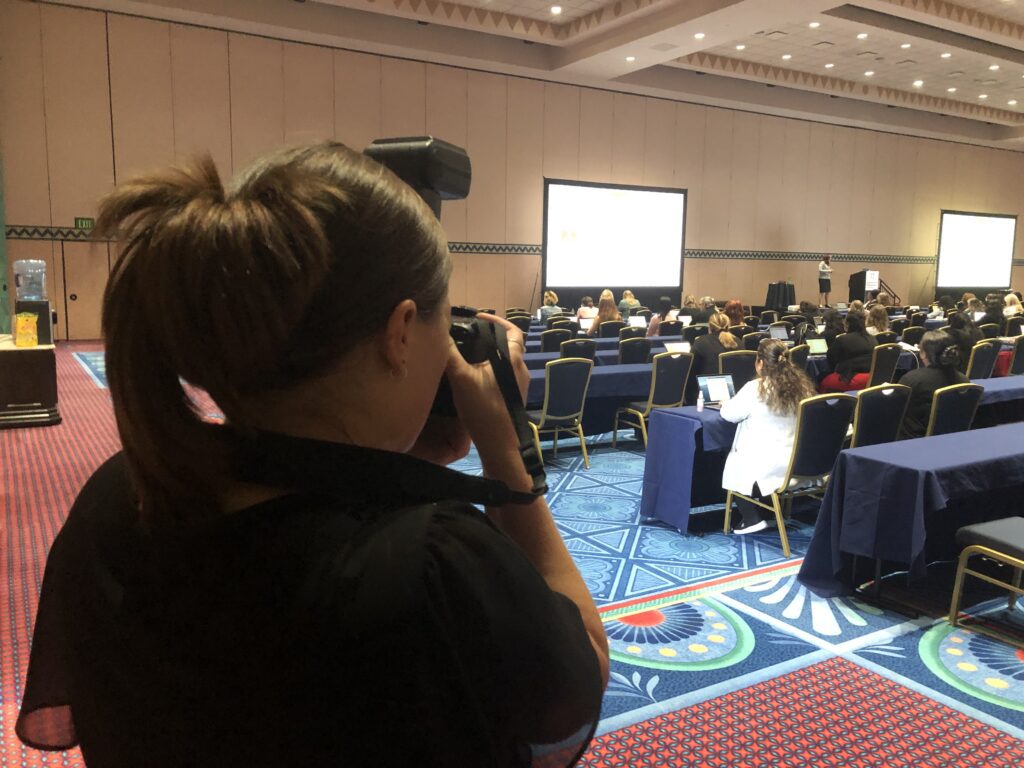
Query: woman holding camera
x: 306, y: 582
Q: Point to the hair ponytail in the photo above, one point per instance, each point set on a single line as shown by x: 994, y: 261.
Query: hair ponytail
x: 941, y: 350
x: 782, y: 385
x: 719, y: 323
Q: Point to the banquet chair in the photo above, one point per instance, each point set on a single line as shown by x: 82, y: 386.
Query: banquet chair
x: 989, y: 330
x: 635, y: 350
x: 565, y: 394
x: 899, y: 326
x: 693, y: 332
x: 953, y: 409
x: 670, y: 328
x: 739, y: 331
x: 798, y: 356
x: 887, y: 337
x: 610, y: 329
x: 879, y: 414
x: 550, y: 341
x: 912, y: 335
x: 782, y: 324
x: 752, y: 340
x: 983, y: 359
x: 1013, y: 325
x: 489, y: 311
x: 668, y: 384
x: 515, y: 311
x: 752, y: 320
x: 564, y: 322
x: 643, y: 312
x: 917, y: 319
x: 794, y: 319
x: 740, y: 365
x: 1017, y: 357
x: 559, y: 317
x: 884, y: 359
x: 821, y: 425
x: 632, y: 332
x: 768, y: 317
x: 522, y: 322
x: 584, y: 349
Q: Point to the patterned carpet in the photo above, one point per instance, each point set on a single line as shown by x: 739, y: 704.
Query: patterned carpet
x: 720, y: 658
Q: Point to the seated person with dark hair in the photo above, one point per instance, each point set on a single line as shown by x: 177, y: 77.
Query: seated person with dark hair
x: 850, y: 357
x: 707, y: 309
x: 706, y: 350
x: 993, y: 312
x: 941, y: 307
x: 834, y: 325
x: 939, y: 368
x: 964, y: 332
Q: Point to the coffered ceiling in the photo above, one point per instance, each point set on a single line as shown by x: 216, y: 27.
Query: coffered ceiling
x: 925, y: 67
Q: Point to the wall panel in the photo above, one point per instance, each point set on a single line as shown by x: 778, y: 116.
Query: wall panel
x: 717, y: 178
x: 357, y: 98
x: 595, y: 131
x: 403, y: 97
x: 840, y: 189
x: 522, y: 282
x: 816, y: 190
x: 201, y: 95
x: 446, y: 117
x: 659, y: 143
x: 885, y: 190
x: 561, y: 131
x: 793, y: 219
x: 23, y: 116
x: 743, y: 189
x: 689, y: 166
x: 629, y: 120
x: 308, y: 94
x: 769, y: 169
x: 486, y: 144
x: 257, y: 97
x: 78, y: 137
x: 524, y: 165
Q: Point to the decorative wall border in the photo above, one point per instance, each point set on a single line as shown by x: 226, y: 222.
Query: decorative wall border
x: 28, y: 232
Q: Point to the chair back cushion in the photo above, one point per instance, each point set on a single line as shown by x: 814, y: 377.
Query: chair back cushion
x: 610, y: 328
x: 983, y: 359
x: 1013, y: 325
x: 989, y: 330
x: 887, y: 337
x: 752, y: 340
x: 693, y: 332
x: 566, y: 383
x: 739, y: 365
x: 1017, y: 361
x: 634, y: 350
x: 670, y: 328
x: 913, y: 334
x: 821, y: 426
x: 550, y: 341
x: 879, y: 414
x: 798, y: 355
x: 582, y: 348
x: 884, y: 359
x: 671, y: 370
x: 632, y: 332
x: 522, y: 322
x: 953, y: 408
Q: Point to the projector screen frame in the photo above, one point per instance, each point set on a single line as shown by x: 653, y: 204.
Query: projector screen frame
x: 646, y: 295
x: 979, y: 290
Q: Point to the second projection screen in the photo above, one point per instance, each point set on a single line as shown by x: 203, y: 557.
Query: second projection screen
x: 614, y: 236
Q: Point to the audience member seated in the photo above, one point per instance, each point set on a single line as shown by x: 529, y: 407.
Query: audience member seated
x: 733, y: 309
x: 834, y: 325
x: 940, y: 361
x: 707, y: 309
x: 213, y: 593
x: 966, y: 299
x: 993, y: 312
x: 940, y: 308
x: 872, y: 299
x: 856, y: 306
x: 964, y: 332
x: 809, y: 311
x: 664, y: 313
x: 878, y: 320
x: 766, y: 408
x: 550, y: 305
x: 974, y: 306
x: 706, y: 350
x: 689, y: 307
x: 606, y: 311
x: 1013, y: 305
x: 587, y: 310
x: 850, y: 357
x: 628, y: 303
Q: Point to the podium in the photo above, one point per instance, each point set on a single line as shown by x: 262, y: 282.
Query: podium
x: 780, y: 296
x: 862, y: 283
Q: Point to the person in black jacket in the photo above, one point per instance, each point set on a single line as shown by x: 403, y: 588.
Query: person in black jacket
x: 993, y: 313
x: 939, y: 360
x: 707, y: 309
x: 849, y: 355
x: 834, y: 325
x: 965, y: 333
x: 706, y: 350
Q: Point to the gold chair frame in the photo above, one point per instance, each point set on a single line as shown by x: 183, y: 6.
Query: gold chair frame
x: 576, y: 427
x: 940, y: 393
x: 642, y: 416
x: 876, y: 388
x: 1014, y: 588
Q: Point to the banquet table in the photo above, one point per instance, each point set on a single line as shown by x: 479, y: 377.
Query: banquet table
x: 533, y: 344
x: 880, y: 497
x: 686, y: 450
x: 611, y: 387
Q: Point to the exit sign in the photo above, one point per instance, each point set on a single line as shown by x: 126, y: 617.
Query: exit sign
x: 83, y: 222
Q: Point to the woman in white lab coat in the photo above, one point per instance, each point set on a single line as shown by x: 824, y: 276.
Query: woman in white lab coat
x: 765, y: 412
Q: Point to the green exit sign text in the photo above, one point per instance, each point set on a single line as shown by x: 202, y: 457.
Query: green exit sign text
x: 83, y: 222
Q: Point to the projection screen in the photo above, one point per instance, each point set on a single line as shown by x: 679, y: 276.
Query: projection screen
x: 604, y: 235
x: 975, y: 249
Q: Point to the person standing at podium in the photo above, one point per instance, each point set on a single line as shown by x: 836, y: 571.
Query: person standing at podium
x: 824, y: 279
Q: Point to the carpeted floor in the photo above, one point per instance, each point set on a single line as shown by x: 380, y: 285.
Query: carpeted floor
x: 720, y: 657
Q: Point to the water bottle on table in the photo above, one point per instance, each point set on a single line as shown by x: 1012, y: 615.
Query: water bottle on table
x: 30, y: 280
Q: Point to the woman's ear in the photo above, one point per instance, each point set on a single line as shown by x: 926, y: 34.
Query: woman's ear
x: 396, y: 336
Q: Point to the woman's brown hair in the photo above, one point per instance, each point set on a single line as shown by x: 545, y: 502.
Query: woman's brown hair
x: 781, y: 385
x: 733, y: 309
x: 719, y: 323
x: 878, y: 318
x: 240, y: 292
x: 606, y: 311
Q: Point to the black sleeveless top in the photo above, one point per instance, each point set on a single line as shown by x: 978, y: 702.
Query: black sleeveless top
x: 372, y: 617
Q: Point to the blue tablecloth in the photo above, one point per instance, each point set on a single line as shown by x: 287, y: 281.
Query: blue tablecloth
x: 537, y: 360
x: 817, y: 365
x: 533, y: 344
x: 672, y: 447
x: 1001, y: 390
x: 611, y: 387
x: 879, y: 496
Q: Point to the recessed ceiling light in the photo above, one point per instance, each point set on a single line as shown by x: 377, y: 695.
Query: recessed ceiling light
x: 829, y: 66
x: 951, y: 90
x: 946, y: 55
x: 869, y: 73
x: 918, y: 83
x: 814, y: 24
x: 631, y: 58
x: 982, y: 95
x: 1012, y: 102
x: 787, y: 56
x: 993, y: 67
x: 740, y: 47
x: 905, y: 46
x: 862, y: 36
x: 699, y: 36
x: 556, y: 9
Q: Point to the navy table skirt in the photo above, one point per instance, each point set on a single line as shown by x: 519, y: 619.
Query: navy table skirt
x: 685, y: 453
x: 611, y: 387
x: 879, y: 498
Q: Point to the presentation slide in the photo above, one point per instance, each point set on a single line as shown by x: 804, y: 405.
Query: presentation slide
x: 613, y: 236
x: 975, y: 250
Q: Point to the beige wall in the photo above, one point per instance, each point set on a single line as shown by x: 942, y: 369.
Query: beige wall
x: 90, y: 98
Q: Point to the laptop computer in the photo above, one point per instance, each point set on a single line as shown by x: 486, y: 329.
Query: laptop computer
x: 675, y: 347
x: 842, y: 306
x: 716, y: 389
x: 638, y: 322
x: 585, y: 324
x: 978, y: 316
x: 820, y: 327
x: 778, y: 332
x: 685, y: 319
x: 817, y: 347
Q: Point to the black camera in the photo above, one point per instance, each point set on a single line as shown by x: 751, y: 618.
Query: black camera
x: 441, y: 171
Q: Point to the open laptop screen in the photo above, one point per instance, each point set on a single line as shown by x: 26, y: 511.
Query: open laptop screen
x: 779, y: 332
x: 638, y: 322
x: 716, y: 389
x: 585, y: 324
x: 817, y: 347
